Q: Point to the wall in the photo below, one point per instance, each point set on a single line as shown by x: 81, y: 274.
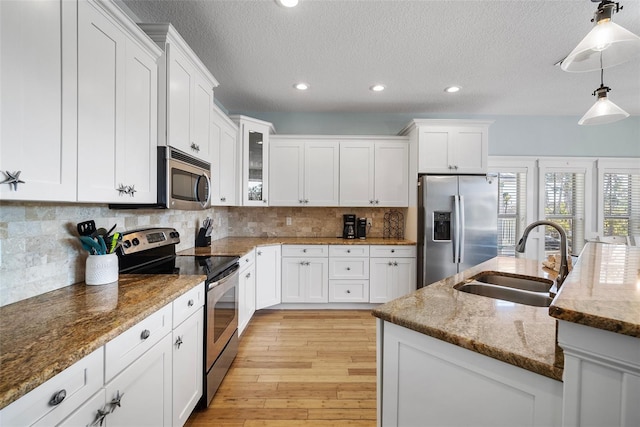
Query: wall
x: 40, y: 252
x: 305, y: 222
x: 508, y: 135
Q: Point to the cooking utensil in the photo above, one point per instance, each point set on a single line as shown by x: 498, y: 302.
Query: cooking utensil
x: 99, y: 232
x: 86, y: 228
x: 103, y: 245
x: 114, y: 242
x: 90, y: 245
x: 111, y: 229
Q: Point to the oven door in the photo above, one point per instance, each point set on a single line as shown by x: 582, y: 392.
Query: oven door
x: 222, y: 316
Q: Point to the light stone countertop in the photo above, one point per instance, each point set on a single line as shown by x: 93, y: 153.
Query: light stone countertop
x: 241, y: 245
x: 603, y: 290
x: 521, y: 335
x: 42, y: 336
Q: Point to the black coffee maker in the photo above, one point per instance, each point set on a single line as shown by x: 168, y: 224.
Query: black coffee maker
x: 361, y: 228
x: 349, y: 228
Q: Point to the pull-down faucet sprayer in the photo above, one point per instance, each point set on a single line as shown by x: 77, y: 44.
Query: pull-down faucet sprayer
x: 564, y: 266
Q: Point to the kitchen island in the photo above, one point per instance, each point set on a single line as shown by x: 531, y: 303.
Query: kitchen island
x: 440, y: 348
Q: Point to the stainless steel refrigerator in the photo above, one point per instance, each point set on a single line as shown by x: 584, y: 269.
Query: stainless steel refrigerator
x: 457, y: 224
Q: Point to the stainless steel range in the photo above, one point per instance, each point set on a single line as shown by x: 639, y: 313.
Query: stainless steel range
x: 152, y: 251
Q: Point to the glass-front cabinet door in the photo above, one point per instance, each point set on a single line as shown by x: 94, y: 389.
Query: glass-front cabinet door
x: 255, y: 160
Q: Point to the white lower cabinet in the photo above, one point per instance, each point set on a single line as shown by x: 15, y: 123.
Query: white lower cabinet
x: 305, y: 273
x: 349, y: 273
x: 392, y: 272
x: 268, y: 276
x: 246, y: 290
x: 423, y: 381
x: 147, y: 376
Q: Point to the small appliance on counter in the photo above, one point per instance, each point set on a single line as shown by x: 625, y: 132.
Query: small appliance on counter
x: 361, y: 228
x: 349, y: 228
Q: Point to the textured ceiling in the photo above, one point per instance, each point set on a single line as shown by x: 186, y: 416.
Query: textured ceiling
x: 501, y: 52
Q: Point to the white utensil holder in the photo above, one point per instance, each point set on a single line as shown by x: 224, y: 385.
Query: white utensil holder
x: 101, y: 269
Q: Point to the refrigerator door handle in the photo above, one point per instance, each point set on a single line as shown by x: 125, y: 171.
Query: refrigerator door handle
x: 456, y: 234
x: 462, y: 227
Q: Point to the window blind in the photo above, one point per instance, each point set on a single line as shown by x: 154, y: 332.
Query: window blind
x: 512, y: 205
x: 565, y: 204
x: 621, y: 204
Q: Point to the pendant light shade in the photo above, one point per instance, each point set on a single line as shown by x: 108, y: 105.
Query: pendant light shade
x: 606, y: 45
x: 603, y: 111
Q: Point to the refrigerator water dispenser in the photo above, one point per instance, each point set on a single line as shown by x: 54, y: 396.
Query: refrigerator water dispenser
x: 442, y: 226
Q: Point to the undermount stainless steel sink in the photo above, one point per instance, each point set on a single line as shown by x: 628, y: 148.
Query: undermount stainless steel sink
x: 518, y: 289
x: 516, y: 282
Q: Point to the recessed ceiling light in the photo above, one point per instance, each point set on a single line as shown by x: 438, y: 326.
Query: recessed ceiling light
x: 452, y: 89
x: 377, y: 88
x: 287, y: 3
x: 301, y: 86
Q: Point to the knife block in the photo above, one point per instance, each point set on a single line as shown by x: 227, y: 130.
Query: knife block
x: 202, y: 241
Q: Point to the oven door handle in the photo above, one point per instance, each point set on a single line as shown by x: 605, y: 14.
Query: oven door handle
x: 225, y: 279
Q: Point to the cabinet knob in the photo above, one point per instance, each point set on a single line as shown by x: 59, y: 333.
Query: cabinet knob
x: 306, y: 200
x: 395, y: 263
x: 145, y: 334
x: 390, y: 263
x: 304, y: 250
x: 348, y: 268
x: 348, y: 251
x: 393, y: 251
x: 223, y: 199
x: 248, y: 275
x: 259, y: 253
x: 264, y: 201
x: 57, y: 398
x: 371, y: 202
x: 300, y: 201
x: 455, y: 167
x: 195, y: 147
x: 348, y: 291
x: 178, y: 342
x: 190, y: 303
x: 377, y: 202
x: 115, y: 402
x: 13, y: 179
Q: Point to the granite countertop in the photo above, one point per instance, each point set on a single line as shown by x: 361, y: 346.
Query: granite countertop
x: 241, y: 245
x: 522, y: 335
x: 43, y: 335
x: 603, y: 290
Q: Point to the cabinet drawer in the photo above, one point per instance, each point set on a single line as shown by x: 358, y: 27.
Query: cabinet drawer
x: 349, y: 250
x: 131, y: 344
x: 187, y: 304
x: 399, y: 251
x: 78, y: 382
x: 247, y: 259
x: 348, y: 268
x: 348, y: 291
x: 305, y: 250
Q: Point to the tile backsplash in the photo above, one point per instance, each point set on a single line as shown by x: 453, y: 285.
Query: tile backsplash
x: 40, y: 251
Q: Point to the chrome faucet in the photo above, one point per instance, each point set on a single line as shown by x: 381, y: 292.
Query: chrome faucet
x: 564, y: 266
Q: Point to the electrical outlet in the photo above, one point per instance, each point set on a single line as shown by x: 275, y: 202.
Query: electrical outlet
x: 288, y: 220
x: 369, y: 222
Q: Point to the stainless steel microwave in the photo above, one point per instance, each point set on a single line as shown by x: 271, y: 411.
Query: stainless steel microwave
x: 184, y: 182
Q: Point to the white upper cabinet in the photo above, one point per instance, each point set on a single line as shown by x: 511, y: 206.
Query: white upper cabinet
x: 303, y: 172
x: 451, y: 146
x: 224, y: 141
x: 38, y: 107
x: 253, y: 149
x: 117, y: 108
x: 185, y: 94
x: 374, y: 173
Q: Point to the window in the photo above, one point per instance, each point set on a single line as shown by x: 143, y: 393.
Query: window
x: 564, y: 204
x: 512, y: 190
x: 621, y: 204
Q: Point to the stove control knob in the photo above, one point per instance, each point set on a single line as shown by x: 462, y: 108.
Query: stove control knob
x: 126, y: 244
x: 174, y: 234
x: 135, y: 241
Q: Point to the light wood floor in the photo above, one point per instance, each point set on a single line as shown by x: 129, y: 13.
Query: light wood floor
x: 299, y: 368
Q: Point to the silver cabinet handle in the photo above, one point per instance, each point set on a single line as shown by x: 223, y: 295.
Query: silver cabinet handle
x: 248, y: 275
x: 145, y: 334
x: 13, y: 179
x: 190, y: 303
x: 57, y: 398
x: 259, y: 253
x: 195, y: 147
x: 115, y: 402
x: 178, y: 342
x: 100, y: 416
x: 395, y: 263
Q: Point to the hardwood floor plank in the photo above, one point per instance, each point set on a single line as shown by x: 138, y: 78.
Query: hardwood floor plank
x: 302, y: 368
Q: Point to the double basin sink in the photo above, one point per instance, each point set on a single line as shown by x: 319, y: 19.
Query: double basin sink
x: 526, y: 290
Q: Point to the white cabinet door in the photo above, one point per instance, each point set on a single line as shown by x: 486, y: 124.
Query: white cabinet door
x: 321, y: 173
x: 38, y: 63
x: 179, y: 99
x: 357, y: 173
x: 391, y: 278
x: 286, y: 182
x: 453, y: 149
x: 268, y: 276
x: 117, y: 113
x: 254, y: 160
x: 201, y: 120
x: 187, y: 366
x: 143, y: 390
x: 305, y: 280
x: 101, y: 106
x: 391, y: 174
x: 246, y: 296
x: 228, y: 163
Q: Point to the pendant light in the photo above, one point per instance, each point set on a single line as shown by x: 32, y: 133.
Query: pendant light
x: 603, y: 111
x: 606, y: 40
